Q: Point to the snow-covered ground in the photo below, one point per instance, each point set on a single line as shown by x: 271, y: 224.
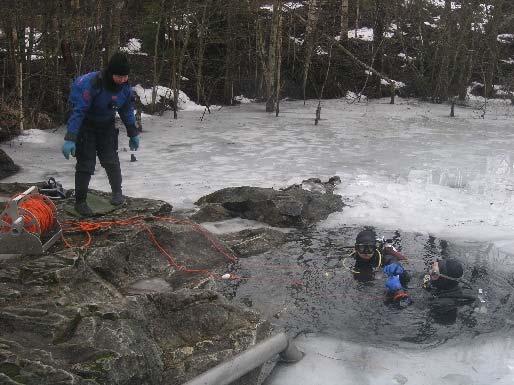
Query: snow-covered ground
x: 329, y: 361
x: 407, y: 166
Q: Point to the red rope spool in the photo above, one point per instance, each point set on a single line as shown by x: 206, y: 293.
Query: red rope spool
x: 38, y: 214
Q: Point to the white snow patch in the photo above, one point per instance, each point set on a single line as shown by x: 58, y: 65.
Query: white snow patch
x: 267, y: 7
x: 95, y: 28
x: 35, y: 136
x: 352, y: 96
x: 320, y: 51
x: 296, y: 40
x: 133, y: 47
x: 403, y: 56
x: 237, y: 224
x: 184, y: 102
x: 506, y: 38
x: 292, y: 5
x: 508, y: 61
x: 331, y: 361
x: 430, y: 24
x: 441, y: 3
x: 243, y: 99
x: 365, y: 34
x: 397, y: 84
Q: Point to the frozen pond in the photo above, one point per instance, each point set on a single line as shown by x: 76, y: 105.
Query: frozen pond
x: 407, y: 167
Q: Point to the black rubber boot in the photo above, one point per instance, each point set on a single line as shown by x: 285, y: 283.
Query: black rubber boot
x: 114, y: 175
x: 81, y: 186
x: 117, y: 198
x: 83, y: 209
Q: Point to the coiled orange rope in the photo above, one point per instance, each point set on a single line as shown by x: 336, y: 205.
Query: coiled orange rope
x: 38, y: 215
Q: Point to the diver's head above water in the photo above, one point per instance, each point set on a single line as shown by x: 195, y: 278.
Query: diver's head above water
x: 366, y: 244
x: 445, y: 273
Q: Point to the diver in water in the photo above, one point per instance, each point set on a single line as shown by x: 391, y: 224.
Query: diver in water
x: 445, y: 284
x: 371, y: 254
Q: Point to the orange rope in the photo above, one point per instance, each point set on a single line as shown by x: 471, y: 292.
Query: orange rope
x: 88, y: 227
x: 38, y: 215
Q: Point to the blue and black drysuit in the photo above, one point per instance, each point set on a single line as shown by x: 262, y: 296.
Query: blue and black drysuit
x: 95, y: 99
x: 447, y: 296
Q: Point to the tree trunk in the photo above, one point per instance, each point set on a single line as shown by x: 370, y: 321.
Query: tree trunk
x: 357, y: 16
x: 312, y: 21
x: 271, y: 68
x: 18, y: 72
x: 156, y: 57
x: 492, y: 47
x: 230, y: 53
x: 178, y: 61
x: 442, y: 81
x: 278, y: 65
x: 202, y: 30
x: 264, y: 78
x: 378, y: 43
x: 114, y: 38
x: 4, y: 74
x: 344, y: 21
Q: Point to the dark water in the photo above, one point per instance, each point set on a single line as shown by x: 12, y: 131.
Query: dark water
x: 297, y: 287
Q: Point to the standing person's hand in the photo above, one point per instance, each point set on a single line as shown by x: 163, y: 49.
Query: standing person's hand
x: 68, y: 148
x: 134, y: 143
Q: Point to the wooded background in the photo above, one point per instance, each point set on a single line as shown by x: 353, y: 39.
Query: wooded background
x: 215, y: 50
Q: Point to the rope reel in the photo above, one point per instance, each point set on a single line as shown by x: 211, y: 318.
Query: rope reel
x: 28, y: 224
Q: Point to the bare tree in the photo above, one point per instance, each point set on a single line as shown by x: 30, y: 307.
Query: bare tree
x: 310, y: 39
x: 344, y: 20
x: 492, y: 46
x: 278, y: 47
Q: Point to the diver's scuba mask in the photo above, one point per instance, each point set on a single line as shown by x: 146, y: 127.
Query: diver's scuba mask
x: 365, y: 248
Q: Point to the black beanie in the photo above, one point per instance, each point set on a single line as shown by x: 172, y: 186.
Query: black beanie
x: 451, y: 268
x: 118, y: 65
x: 366, y: 237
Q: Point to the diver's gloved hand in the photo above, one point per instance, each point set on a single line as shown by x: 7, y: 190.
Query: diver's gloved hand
x: 402, y: 298
x: 68, y: 148
x: 393, y: 284
x: 393, y: 269
x: 426, y: 281
x: 134, y: 143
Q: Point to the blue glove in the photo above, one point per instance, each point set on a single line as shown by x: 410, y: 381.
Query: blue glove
x: 393, y: 284
x: 134, y: 143
x: 68, y: 148
x: 393, y: 269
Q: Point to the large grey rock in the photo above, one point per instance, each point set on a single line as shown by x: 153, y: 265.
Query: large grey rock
x: 295, y: 206
x: 79, y: 316
x: 7, y: 166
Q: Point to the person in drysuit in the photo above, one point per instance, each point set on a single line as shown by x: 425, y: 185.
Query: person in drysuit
x: 95, y: 98
x: 369, y: 256
x: 444, y: 282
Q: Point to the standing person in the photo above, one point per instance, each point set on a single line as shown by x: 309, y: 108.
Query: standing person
x: 95, y: 98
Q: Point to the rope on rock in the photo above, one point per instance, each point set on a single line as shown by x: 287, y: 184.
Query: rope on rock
x: 88, y: 227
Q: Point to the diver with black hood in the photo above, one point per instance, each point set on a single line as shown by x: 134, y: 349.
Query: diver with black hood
x: 372, y: 254
x: 448, y: 290
x: 95, y: 98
